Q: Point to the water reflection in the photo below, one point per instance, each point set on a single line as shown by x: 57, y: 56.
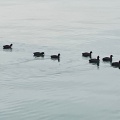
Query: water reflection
x: 107, y: 62
x: 8, y: 50
x: 116, y: 67
x: 36, y: 56
x: 97, y: 64
x: 56, y: 59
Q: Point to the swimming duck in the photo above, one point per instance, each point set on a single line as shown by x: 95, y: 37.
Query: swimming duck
x: 86, y: 54
x: 116, y: 64
x: 7, y: 46
x: 55, y: 56
x: 39, y: 54
x: 94, y: 60
x: 108, y: 59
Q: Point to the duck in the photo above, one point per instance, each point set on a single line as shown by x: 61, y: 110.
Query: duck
x: 7, y: 46
x: 116, y: 64
x: 87, y: 54
x: 108, y: 59
x: 39, y: 54
x: 94, y: 60
x: 55, y: 56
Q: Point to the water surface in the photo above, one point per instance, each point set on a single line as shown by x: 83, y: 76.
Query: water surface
x: 72, y: 89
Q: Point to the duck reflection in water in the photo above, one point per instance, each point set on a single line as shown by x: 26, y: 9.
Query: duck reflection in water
x: 8, y: 50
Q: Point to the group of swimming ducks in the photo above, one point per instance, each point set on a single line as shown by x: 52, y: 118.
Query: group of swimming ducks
x: 97, y: 60
x: 36, y: 54
x: 85, y: 54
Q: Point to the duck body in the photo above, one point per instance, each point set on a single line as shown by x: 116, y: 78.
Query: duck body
x: 39, y: 54
x: 116, y: 64
x: 86, y: 54
x: 7, y: 46
x: 94, y: 60
x: 108, y: 59
x: 55, y: 56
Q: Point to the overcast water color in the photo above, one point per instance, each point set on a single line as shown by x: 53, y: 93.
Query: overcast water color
x: 71, y: 89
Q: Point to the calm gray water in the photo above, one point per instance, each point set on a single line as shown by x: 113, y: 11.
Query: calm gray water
x: 72, y: 89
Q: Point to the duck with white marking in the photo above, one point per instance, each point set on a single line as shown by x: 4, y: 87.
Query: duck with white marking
x: 7, y: 46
